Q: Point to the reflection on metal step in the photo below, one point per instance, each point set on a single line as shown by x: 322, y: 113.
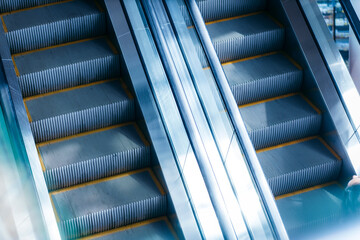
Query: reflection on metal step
x: 109, y: 203
x: 66, y: 65
x: 218, y: 9
x: 261, y: 77
x: 79, y: 109
x: 53, y: 24
x: 93, y: 155
x: 157, y: 228
x: 244, y: 37
x: 299, y: 164
x: 281, y: 119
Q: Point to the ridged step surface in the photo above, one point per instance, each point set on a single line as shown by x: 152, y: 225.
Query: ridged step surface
x: 245, y: 36
x: 93, y: 155
x: 304, y: 214
x: 78, y: 110
x: 262, y: 77
x: 158, y: 229
x: 67, y: 65
x: 109, y: 204
x: 54, y: 24
x: 299, y: 165
x: 217, y: 9
x: 12, y: 5
x: 281, y: 120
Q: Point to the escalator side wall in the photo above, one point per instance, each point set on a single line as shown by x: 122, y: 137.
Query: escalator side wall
x: 148, y: 119
x: 299, y: 51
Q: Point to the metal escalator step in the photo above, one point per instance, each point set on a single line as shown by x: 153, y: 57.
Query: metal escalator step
x: 262, y: 77
x: 278, y: 120
x: 304, y: 214
x: 218, y: 9
x: 54, y: 24
x: 299, y: 165
x: 158, y: 228
x: 110, y: 203
x: 15, y: 5
x: 245, y: 36
x: 66, y: 65
x: 93, y: 155
x: 80, y: 109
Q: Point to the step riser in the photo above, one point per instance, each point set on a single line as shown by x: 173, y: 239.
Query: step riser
x: 12, y: 5
x: 82, y: 121
x: 237, y: 48
x: 272, y: 86
x: 219, y: 9
x: 114, y: 218
x: 305, y: 178
x: 285, y: 132
x: 94, y: 169
x: 56, y: 33
x: 69, y: 76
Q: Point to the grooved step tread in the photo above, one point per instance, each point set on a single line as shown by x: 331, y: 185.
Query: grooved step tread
x: 49, y: 14
x: 62, y: 55
x: 81, y: 148
x: 242, y: 72
x: 306, y: 212
x: 295, y: 157
x: 158, y: 229
x: 265, y: 114
x: 81, y: 98
x: 241, y: 27
x: 100, y: 196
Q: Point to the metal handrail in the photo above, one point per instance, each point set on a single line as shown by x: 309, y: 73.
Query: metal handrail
x: 231, y: 106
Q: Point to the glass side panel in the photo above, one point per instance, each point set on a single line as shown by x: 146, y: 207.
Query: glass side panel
x: 252, y: 208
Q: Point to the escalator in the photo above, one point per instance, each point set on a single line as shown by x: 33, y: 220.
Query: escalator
x: 284, y: 122
x: 95, y: 159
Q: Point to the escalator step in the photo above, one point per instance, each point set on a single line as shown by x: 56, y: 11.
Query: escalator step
x: 93, y: 155
x: 299, y: 165
x: 280, y: 120
x: 16, y: 5
x: 304, y: 213
x: 218, y: 9
x: 262, y: 77
x: 66, y: 66
x: 80, y: 109
x: 158, y: 228
x: 110, y: 203
x: 54, y: 24
x: 245, y: 36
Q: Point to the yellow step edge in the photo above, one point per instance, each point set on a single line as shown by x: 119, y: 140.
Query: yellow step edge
x: 98, y: 5
x: 54, y: 208
x: 141, y: 134
x: 83, y: 134
x: 126, y: 89
x: 27, y: 112
x: 40, y: 6
x: 59, y: 45
x: 291, y: 60
x: 306, y: 190
x: 249, y: 58
x: 69, y: 89
x: 81, y: 185
x: 127, y: 227
x: 3, y: 24
x: 299, y: 141
x: 286, y: 144
x: 310, y: 103
x: 275, y: 20
x: 232, y: 18
x: 268, y: 100
x: 41, y: 160
x: 15, y: 67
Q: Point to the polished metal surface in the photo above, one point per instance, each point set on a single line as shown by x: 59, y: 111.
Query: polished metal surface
x: 337, y: 88
x: 249, y: 161
x: 182, y: 149
x: 185, y: 222
x: 352, y: 17
x: 28, y: 158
